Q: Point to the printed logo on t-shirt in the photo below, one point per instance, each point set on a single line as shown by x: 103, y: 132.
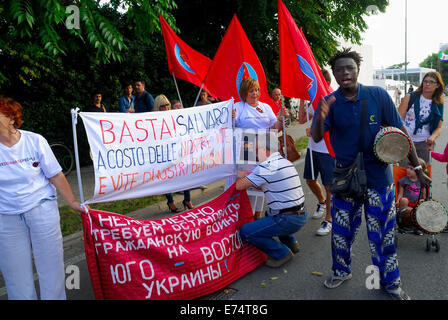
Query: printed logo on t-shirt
x: 12, y: 162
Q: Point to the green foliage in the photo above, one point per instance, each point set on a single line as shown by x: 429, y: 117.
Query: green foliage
x: 433, y: 62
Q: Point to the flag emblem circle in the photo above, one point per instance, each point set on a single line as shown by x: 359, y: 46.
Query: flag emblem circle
x: 245, y: 71
x: 181, y: 57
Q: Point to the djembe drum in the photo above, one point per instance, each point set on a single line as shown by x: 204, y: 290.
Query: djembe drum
x: 430, y: 216
x: 391, y: 145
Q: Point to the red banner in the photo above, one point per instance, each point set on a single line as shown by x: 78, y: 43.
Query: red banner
x: 181, y: 257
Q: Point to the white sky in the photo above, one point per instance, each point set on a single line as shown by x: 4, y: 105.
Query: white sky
x: 426, y: 30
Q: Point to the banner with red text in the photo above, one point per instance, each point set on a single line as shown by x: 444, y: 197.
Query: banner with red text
x: 185, y: 256
x: 141, y: 154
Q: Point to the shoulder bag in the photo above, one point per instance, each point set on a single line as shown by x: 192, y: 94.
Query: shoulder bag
x: 351, y: 181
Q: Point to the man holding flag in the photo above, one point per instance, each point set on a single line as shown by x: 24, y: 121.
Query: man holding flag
x: 301, y: 77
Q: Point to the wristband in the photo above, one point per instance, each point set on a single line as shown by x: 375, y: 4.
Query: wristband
x: 419, y: 167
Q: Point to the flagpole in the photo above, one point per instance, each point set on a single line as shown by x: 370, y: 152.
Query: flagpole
x: 177, y: 89
x: 199, y: 93
x: 74, y: 113
x: 311, y: 151
x: 285, y: 149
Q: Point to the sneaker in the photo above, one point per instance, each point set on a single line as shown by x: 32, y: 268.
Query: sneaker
x: 398, y: 294
x: 295, y: 247
x: 335, y: 281
x: 274, y: 263
x: 320, y: 211
x: 325, y: 228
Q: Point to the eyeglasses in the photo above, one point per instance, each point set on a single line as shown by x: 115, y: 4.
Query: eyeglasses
x: 429, y: 82
x: 166, y: 105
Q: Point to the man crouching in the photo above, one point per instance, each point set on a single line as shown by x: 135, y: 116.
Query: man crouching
x: 286, y: 213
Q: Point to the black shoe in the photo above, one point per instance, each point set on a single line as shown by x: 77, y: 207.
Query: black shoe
x: 172, y: 207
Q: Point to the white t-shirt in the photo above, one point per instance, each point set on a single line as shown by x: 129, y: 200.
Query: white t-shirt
x: 315, y: 146
x: 409, y: 120
x: 248, y: 117
x: 280, y: 182
x: 24, y: 172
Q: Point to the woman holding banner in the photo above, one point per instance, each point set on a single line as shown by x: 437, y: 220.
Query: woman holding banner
x: 250, y: 113
x: 29, y: 218
x: 161, y: 103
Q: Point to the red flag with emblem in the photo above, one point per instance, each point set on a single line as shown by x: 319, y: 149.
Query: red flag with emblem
x: 234, y: 61
x: 183, y: 61
x: 300, y: 75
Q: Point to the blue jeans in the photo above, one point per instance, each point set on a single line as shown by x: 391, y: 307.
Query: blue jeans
x: 260, y: 233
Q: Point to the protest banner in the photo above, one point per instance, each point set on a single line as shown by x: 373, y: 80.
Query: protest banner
x: 142, y: 154
x: 185, y: 256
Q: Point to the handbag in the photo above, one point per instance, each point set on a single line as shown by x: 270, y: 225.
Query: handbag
x: 291, y: 150
x: 351, y: 181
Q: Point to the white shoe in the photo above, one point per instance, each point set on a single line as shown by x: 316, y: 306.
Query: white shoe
x: 321, y: 209
x: 325, y: 228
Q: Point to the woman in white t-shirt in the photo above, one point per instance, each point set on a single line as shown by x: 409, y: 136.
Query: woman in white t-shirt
x: 29, y: 218
x: 427, y: 103
x: 250, y: 113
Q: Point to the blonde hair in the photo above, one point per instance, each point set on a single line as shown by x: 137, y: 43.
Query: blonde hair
x: 161, y: 100
x: 245, y: 87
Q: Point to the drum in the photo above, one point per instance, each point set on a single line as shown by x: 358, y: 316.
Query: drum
x: 391, y: 145
x: 430, y: 216
x: 405, y: 220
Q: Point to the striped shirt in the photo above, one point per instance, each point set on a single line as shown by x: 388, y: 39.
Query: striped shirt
x: 280, y: 182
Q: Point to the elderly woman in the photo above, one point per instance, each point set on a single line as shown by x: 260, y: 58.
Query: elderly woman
x: 161, y: 103
x: 422, y: 112
x: 29, y: 218
x: 250, y: 113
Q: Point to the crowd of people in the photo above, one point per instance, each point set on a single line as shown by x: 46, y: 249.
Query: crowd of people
x: 29, y: 217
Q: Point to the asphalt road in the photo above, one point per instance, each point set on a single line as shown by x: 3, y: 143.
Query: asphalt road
x: 423, y: 274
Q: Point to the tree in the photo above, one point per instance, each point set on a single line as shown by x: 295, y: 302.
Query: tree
x: 430, y: 61
x: 433, y: 62
x: 35, y: 32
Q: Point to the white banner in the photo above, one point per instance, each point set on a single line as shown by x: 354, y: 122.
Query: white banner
x: 142, y: 154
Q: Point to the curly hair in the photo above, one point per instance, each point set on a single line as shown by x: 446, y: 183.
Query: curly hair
x: 11, y: 109
x: 345, y: 53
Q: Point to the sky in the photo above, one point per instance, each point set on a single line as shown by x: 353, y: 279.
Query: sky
x: 426, y: 30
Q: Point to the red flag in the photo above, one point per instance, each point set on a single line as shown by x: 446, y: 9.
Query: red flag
x: 183, y: 61
x: 300, y: 75
x: 234, y: 61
